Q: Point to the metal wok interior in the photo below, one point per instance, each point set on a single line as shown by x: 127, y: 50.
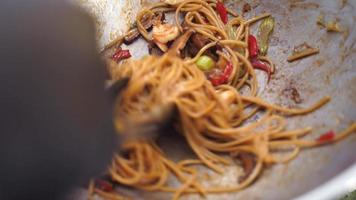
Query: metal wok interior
x: 331, y: 72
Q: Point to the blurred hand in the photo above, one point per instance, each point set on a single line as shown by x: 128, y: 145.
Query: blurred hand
x: 55, y: 119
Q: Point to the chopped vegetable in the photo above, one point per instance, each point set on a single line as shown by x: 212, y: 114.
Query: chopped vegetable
x: 221, y: 9
x: 326, y: 137
x: 120, y: 55
x: 265, y: 30
x: 216, y: 81
x: 222, y: 78
x: 205, y: 63
x: 228, y: 70
x: 252, y: 46
x: 257, y: 64
x: 253, y: 51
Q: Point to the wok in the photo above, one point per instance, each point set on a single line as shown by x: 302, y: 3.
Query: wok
x: 332, y: 72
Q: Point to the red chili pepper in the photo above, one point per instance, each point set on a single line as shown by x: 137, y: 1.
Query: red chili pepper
x: 252, y: 46
x: 253, y: 51
x: 222, y: 12
x: 217, y: 81
x: 104, y: 185
x: 222, y: 78
x: 228, y: 69
x: 257, y: 64
x: 120, y: 55
x: 326, y: 137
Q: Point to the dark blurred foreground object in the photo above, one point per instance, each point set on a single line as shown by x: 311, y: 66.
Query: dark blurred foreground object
x: 55, y: 119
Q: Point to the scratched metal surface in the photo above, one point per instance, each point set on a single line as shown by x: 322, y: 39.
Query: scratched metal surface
x: 332, y: 72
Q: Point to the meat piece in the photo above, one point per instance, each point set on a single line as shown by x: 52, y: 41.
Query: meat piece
x: 147, y: 22
x: 197, y: 42
x: 200, y: 40
x: 192, y: 49
x: 181, y: 42
x: 131, y: 36
x: 154, y: 50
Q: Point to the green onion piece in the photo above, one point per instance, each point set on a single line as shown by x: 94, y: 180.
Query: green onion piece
x: 205, y: 63
x: 265, y: 30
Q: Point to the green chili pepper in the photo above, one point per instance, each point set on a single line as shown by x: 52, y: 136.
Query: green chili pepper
x: 265, y: 30
x: 205, y: 63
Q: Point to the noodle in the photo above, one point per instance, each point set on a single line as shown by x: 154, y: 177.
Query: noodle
x: 208, y: 126
x: 211, y: 119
